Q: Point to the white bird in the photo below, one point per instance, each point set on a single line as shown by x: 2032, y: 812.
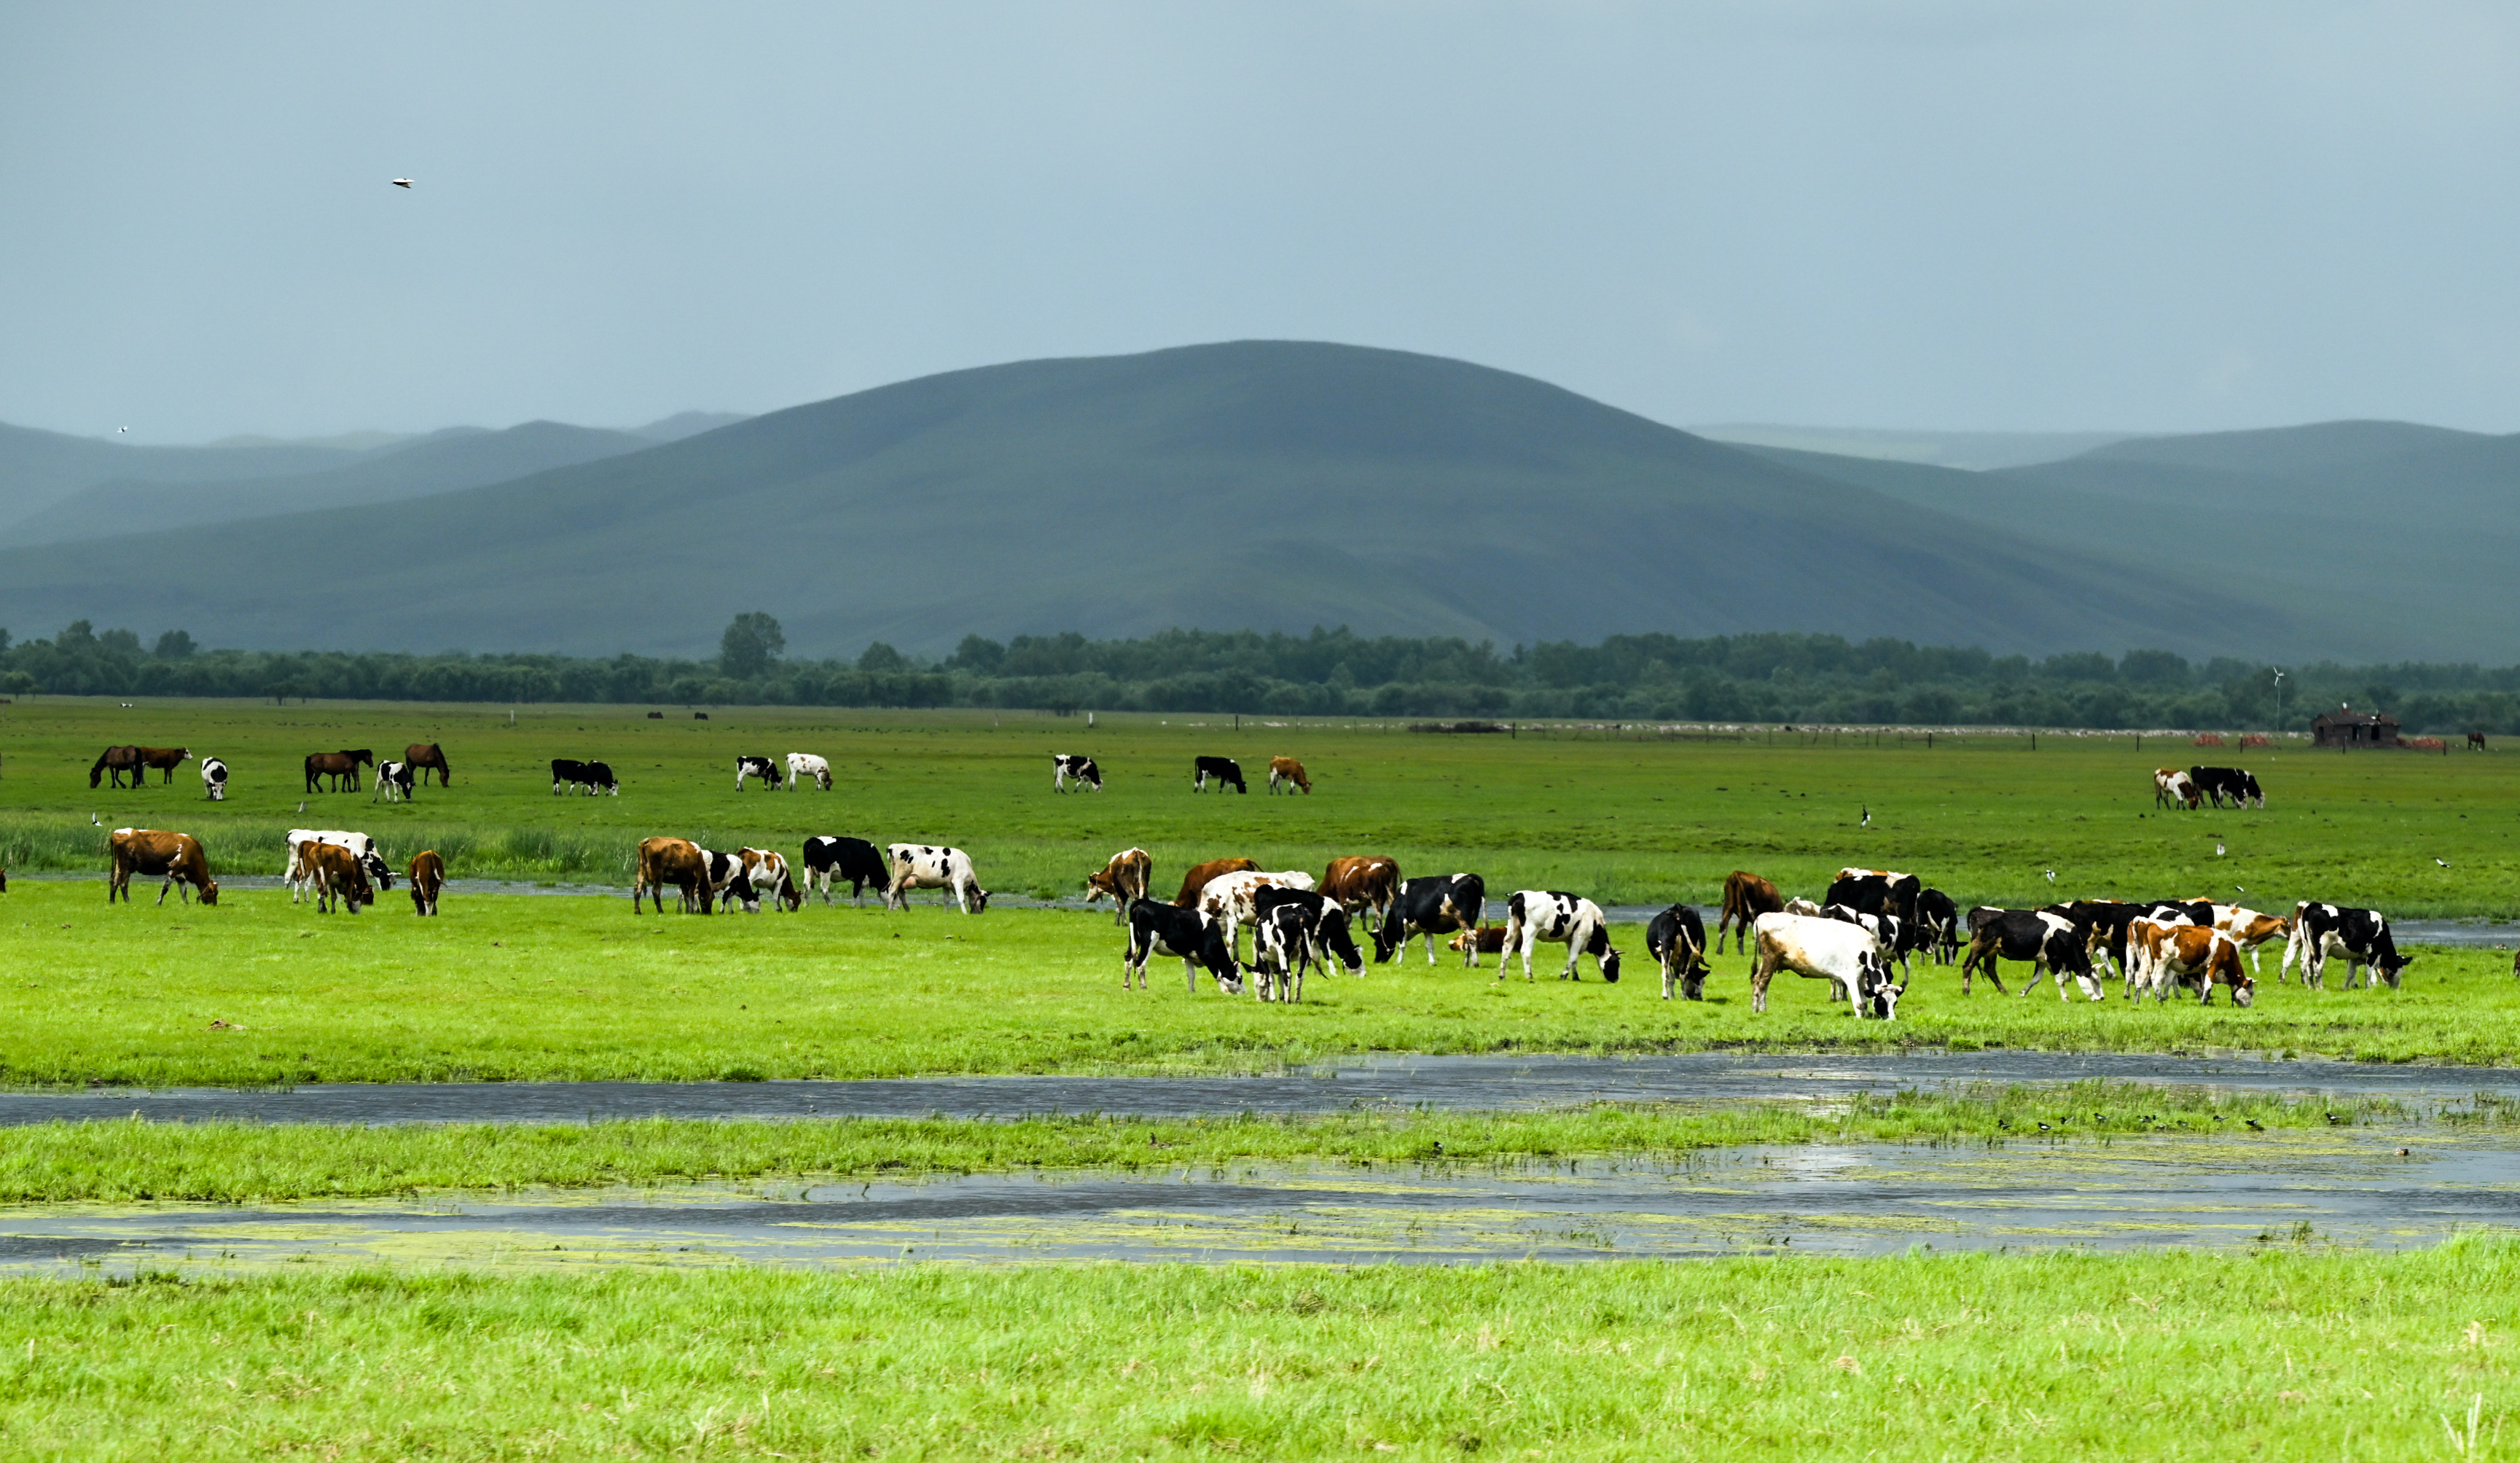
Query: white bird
x: 2217, y: 847
x: 301, y: 807
x: 402, y: 182
x: 2443, y: 864
x: 1868, y: 816
x: 93, y: 818
x: 2235, y: 889
x: 2052, y: 876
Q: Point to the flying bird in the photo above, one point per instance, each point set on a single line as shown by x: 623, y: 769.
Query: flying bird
x: 120, y: 431
x: 402, y: 182
x: 2235, y: 889
x: 93, y: 818
x: 2444, y: 863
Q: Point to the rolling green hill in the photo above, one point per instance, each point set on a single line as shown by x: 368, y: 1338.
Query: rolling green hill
x: 1262, y: 485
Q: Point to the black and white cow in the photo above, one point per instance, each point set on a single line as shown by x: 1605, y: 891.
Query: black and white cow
x: 828, y: 859
x: 598, y: 778
x: 1676, y: 937
x: 1882, y: 892
x: 756, y: 766
x: 1297, y: 929
x: 932, y: 866
x: 1082, y: 768
x: 2234, y: 783
x: 1226, y: 770
x: 2052, y: 941
x: 214, y: 779
x: 1895, y: 937
x: 1534, y: 915
x: 393, y: 782
x: 1438, y: 904
x: 1159, y: 929
x: 567, y: 772
x: 1938, y: 926
x: 1875, y: 998
x: 2361, y: 935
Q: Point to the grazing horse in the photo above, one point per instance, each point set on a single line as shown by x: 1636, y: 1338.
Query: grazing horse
x: 337, y: 765
x: 422, y: 756
x: 2476, y: 740
x: 116, y: 761
x: 164, y: 758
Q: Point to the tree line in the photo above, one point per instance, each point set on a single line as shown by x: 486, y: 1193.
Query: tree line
x: 1776, y: 677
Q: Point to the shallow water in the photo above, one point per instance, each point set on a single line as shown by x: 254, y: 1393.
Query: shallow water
x: 2328, y: 1187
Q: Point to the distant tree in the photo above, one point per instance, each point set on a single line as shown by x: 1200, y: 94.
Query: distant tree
x: 750, y: 643
x: 975, y: 655
x: 880, y: 656
x: 2154, y: 668
x: 17, y: 683
x: 77, y: 633
x: 174, y: 645
x: 3, y: 640
x: 127, y: 642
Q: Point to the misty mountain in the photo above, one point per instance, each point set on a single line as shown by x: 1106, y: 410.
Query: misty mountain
x: 682, y: 423
x: 38, y: 469
x: 1976, y: 451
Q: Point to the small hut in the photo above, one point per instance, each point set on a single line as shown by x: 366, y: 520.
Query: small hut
x: 2348, y: 728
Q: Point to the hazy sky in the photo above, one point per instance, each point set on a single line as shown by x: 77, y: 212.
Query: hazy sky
x: 2002, y: 216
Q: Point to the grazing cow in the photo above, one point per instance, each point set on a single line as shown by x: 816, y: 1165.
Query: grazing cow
x: 2052, y: 941
x: 567, y: 772
x: 1844, y: 955
x: 930, y: 866
x: 335, y: 873
x: 1064, y: 766
x: 2234, y: 783
x: 655, y: 715
x: 1883, y: 891
x: 393, y: 781
x: 1156, y: 928
x: 1202, y: 874
x: 1228, y: 898
x: 767, y: 873
x: 2104, y: 925
x: 756, y: 766
x: 1364, y: 883
x: 177, y: 857
x: 214, y: 779
x: 1226, y: 770
x: 428, y: 874
x: 1746, y: 896
x: 804, y: 767
x: 2165, y: 954
x: 1938, y: 926
x: 300, y: 874
x: 598, y: 779
x: 2361, y: 935
x: 1532, y: 915
x: 1676, y: 937
x: 1875, y: 998
x: 1437, y: 905
x: 116, y: 762
x: 166, y: 760
x: 339, y: 766
x: 1126, y: 880
x: 1288, y: 771
x: 426, y: 758
x: 2171, y: 788
x: 680, y: 862
x: 828, y: 859
x: 1298, y: 929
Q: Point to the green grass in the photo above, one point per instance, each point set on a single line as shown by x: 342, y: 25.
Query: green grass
x: 257, y: 992
x: 230, y: 1162
x: 2290, y: 1353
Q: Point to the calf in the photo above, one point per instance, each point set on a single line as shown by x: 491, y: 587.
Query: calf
x: 1488, y: 940
x: 1230, y: 898
x: 1875, y: 998
x: 393, y: 782
x: 1202, y: 874
x: 214, y: 779
x: 1676, y: 937
x: 1746, y: 896
x: 756, y: 766
x: 2171, y: 788
x: 930, y: 866
x: 1430, y: 906
x: 1156, y: 928
x: 1844, y: 955
x: 767, y: 873
x: 1125, y: 880
x: 1366, y: 883
x: 730, y: 881
x: 2166, y: 954
x: 1226, y: 770
x: 804, y: 767
x: 1064, y: 766
x: 828, y: 858
x: 2053, y: 942
x: 1532, y: 915
x: 338, y: 877
x: 1289, y: 772
x: 177, y: 857
x: 2361, y: 935
x: 428, y: 874
x: 679, y: 862
x: 1298, y: 929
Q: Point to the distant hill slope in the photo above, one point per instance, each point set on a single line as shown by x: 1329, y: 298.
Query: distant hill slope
x: 1975, y: 451
x: 440, y: 463
x: 38, y: 469
x: 1261, y: 484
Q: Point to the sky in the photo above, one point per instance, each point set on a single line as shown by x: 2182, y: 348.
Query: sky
x: 1936, y: 215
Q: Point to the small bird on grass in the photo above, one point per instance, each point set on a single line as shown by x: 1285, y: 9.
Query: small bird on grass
x: 2052, y: 876
x: 93, y: 818
x: 2253, y: 1125
x: 1867, y: 816
x: 2443, y: 862
x: 2217, y: 847
x: 2332, y: 1118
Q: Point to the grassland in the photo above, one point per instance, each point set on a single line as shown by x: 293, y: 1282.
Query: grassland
x: 2290, y: 1352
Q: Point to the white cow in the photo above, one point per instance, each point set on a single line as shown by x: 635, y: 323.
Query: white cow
x: 301, y: 875
x: 214, y: 779
x: 804, y: 765
x: 1228, y: 900
x: 930, y: 866
x: 1532, y: 915
x: 1847, y: 956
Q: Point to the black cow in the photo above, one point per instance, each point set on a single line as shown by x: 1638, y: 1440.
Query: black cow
x: 1161, y: 928
x: 1438, y: 904
x: 599, y: 778
x: 1295, y: 929
x: 2052, y: 941
x: 1082, y: 768
x: 567, y: 772
x: 1676, y: 937
x: 2234, y: 783
x: 1938, y: 926
x: 756, y: 766
x: 2361, y: 935
x: 828, y: 858
x: 1226, y: 770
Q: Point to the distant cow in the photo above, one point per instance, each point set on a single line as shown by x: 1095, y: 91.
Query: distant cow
x: 2051, y: 943
x: 1226, y: 770
x: 1125, y: 880
x: 113, y: 762
x: 930, y: 866
x: 2237, y: 784
x: 1677, y: 940
x: 425, y: 758
x: 1169, y: 929
x: 335, y: 873
x: 1200, y: 875
x: 2171, y: 788
x: 567, y: 772
x: 597, y: 778
x: 1362, y: 882
x: 1746, y: 896
x: 1438, y: 904
x: 177, y: 857
x: 166, y: 760
x: 2361, y: 935
x: 756, y: 766
x: 828, y: 858
x: 680, y: 862
x: 428, y: 874
x: 214, y: 779
x: 767, y: 873
x: 340, y: 766
x: 1536, y: 915
x: 804, y: 767
x: 1288, y: 771
x: 1844, y: 955
x: 393, y: 781
x: 1064, y: 766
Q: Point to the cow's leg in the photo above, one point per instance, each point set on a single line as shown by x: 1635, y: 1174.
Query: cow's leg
x: 1189, y: 968
x: 1760, y: 973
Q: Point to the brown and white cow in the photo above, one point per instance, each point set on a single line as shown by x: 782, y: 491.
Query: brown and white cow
x: 427, y: 877
x: 2247, y: 928
x: 767, y: 873
x: 338, y: 877
x: 1227, y: 899
x: 2172, y: 786
x: 1124, y: 881
x: 1746, y: 896
x: 177, y: 857
x: 2161, y: 954
x: 1487, y: 941
x: 1844, y: 955
x: 1363, y: 881
x: 679, y: 862
x: 1288, y: 770
x: 1200, y: 875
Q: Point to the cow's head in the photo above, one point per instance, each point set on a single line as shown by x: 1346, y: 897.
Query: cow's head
x: 2391, y: 967
x: 1338, y: 934
x: 979, y: 899
x: 2244, y: 993
x: 209, y: 892
x: 376, y: 869
x: 1610, y: 964
x: 1388, y: 937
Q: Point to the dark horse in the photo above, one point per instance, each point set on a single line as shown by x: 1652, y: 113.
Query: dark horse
x: 2476, y: 740
x: 419, y: 757
x: 337, y: 765
x: 116, y: 762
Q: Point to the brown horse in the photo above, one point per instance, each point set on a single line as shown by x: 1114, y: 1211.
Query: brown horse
x: 2476, y: 740
x: 337, y: 765
x: 116, y: 762
x: 419, y: 757
x: 164, y: 758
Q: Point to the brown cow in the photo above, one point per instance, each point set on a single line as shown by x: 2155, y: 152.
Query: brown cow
x: 116, y: 761
x: 338, y: 876
x: 1364, y: 882
x: 1746, y: 896
x: 164, y: 758
x: 177, y: 857
x: 427, y: 876
x: 1200, y: 875
x: 1489, y: 940
x: 421, y: 756
x: 679, y: 862
x: 2161, y: 955
x: 1125, y: 880
x: 1289, y: 771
